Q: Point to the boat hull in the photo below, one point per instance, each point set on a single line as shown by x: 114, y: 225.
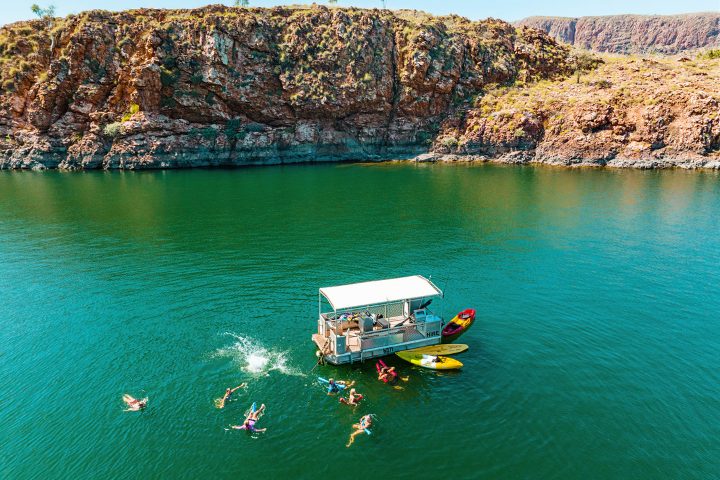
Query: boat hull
x: 372, y: 353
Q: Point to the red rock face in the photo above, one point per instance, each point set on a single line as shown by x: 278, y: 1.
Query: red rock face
x: 228, y: 86
x: 231, y: 86
x: 627, y: 112
x: 668, y: 34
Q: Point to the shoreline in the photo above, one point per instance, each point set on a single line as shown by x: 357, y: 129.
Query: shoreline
x: 690, y: 162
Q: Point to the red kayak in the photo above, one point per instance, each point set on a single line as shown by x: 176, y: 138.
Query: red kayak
x: 458, y: 325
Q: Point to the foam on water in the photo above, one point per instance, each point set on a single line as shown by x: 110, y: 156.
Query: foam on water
x: 255, y: 358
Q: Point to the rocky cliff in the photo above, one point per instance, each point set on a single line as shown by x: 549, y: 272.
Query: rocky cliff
x: 230, y: 86
x: 667, y: 34
x: 640, y: 113
x: 233, y: 86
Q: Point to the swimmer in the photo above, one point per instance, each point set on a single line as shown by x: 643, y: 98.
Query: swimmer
x: 250, y: 420
x: 362, y: 426
x: 220, y: 403
x: 134, y: 405
x: 336, y: 386
x: 389, y: 375
x: 353, y: 399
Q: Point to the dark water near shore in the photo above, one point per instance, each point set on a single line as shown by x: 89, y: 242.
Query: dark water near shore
x: 595, y: 355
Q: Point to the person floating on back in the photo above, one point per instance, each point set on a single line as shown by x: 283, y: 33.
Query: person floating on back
x: 252, y: 418
x: 363, y: 426
x: 336, y: 386
x: 134, y: 405
x: 220, y: 402
x: 353, y: 399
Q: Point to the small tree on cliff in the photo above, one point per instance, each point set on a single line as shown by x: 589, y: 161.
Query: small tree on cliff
x: 47, y: 15
x: 242, y: 3
x: 583, y: 62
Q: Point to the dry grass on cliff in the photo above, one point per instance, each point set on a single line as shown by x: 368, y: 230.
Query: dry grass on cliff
x: 628, y: 106
x: 621, y: 80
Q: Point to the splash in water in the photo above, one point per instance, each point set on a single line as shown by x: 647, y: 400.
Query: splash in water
x: 253, y: 357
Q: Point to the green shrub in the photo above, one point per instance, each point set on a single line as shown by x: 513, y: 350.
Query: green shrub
x: 423, y: 138
x: 134, y: 108
x: 196, y: 78
x: 709, y: 54
x: 168, y: 77
x: 167, y: 102
x: 232, y: 127
x: 209, y: 133
x: 449, y: 142
x: 124, y: 41
x: 112, y: 130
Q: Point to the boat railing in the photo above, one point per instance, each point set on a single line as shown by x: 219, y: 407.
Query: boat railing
x: 388, y: 337
x: 387, y: 311
x: 388, y: 331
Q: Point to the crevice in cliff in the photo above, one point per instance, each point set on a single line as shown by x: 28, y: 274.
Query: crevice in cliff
x: 395, y: 89
x: 571, y: 31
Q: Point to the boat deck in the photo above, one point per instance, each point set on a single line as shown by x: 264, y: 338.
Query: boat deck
x: 353, y: 334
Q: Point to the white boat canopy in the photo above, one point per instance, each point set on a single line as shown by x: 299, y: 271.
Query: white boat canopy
x: 379, y: 291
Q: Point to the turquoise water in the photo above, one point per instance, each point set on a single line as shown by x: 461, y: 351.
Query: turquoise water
x: 595, y: 353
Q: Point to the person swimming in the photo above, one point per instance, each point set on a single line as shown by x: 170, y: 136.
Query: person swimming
x: 353, y: 398
x: 228, y: 392
x: 363, y: 426
x: 134, y: 405
x: 336, y: 386
x: 389, y: 375
x: 251, y: 420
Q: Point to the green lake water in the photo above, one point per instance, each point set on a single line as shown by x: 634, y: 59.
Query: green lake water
x: 595, y: 353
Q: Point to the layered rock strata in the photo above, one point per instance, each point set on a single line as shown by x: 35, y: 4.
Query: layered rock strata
x: 221, y: 86
x: 232, y: 86
x: 665, y: 34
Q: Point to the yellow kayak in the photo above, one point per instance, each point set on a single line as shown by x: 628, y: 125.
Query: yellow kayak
x: 435, y: 362
x: 441, y: 349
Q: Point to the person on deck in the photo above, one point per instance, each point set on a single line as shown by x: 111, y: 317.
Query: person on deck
x: 228, y: 393
x: 252, y: 418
